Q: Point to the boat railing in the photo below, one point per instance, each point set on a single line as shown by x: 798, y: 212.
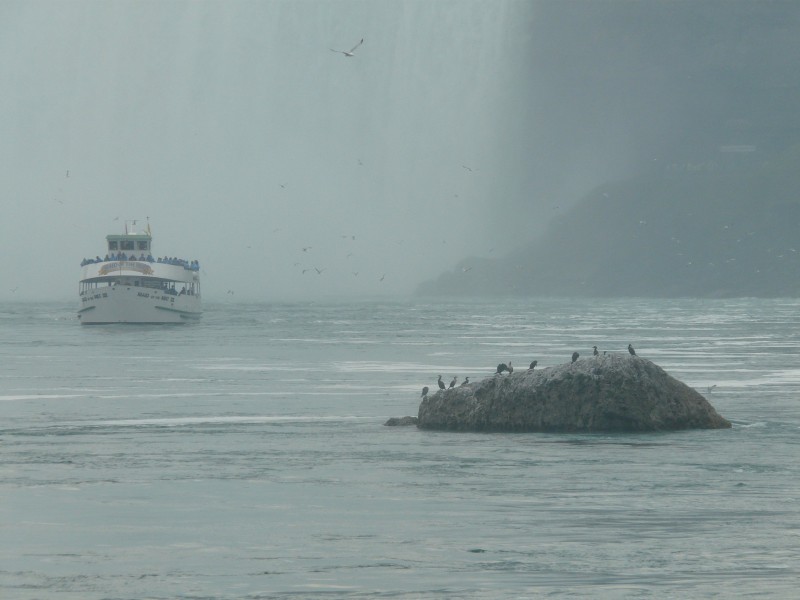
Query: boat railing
x: 189, y: 265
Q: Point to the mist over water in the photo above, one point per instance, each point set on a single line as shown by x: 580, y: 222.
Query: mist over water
x: 457, y: 130
x: 244, y: 138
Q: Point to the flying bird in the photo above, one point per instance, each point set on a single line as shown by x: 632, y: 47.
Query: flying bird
x: 348, y: 52
x: 319, y: 271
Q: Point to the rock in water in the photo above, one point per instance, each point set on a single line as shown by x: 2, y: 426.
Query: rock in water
x: 611, y: 393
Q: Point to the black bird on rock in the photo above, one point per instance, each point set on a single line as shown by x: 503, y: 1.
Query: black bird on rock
x: 453, y: 383
x: 575, y: 356
x: 501, y: 367
x: 441, y: 383
x: 424, y: 391
x: 533, y: 365
x: 631, y: 350
x: 596, y: 353
x: 465, y: 382
x: 510, y: 369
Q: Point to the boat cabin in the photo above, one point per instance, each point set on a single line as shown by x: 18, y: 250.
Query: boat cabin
x: 138, y: 243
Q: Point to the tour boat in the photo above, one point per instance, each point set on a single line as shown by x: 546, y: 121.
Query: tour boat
x: 128, y: 285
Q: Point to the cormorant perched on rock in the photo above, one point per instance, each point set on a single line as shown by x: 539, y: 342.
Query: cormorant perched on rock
x: 501, y: 367
x: 510, y: 369
x: 533, y: 365
x: 441, y: 383
x: 465, y: 382
x: 575, y: 356
x: 453, y: 383
x: 596, y: 353
x: 631, y: 350
x: 424, y: 391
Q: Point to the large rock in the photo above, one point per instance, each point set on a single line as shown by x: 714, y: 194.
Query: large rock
x: 610, y: 393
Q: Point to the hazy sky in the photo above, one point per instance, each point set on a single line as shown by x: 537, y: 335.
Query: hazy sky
x: 244, y: 139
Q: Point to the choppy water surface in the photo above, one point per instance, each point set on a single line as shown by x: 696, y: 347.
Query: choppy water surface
x: 245, y: 456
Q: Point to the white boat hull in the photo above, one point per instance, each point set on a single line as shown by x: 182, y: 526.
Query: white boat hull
x: 133, y: 304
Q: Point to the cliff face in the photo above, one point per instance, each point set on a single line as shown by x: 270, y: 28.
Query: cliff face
x: 612, y: 393
x: 707, y: 234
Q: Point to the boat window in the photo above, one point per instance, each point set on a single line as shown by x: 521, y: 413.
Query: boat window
x: 112, y: 245
x: 126, y: 245
x: 142, y: 245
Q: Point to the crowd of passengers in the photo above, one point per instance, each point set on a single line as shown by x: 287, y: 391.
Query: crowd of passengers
x: 170, y: 289
x: 170, y: 260
x: 164, y: 288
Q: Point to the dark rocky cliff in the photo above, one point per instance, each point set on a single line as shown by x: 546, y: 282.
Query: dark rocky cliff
x: 706, y: 234
x: 613, y: 393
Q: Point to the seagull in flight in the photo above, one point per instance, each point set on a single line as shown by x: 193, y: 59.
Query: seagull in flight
x: 351, y: 51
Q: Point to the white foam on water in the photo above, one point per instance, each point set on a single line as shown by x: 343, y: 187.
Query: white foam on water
x: 218, y: 420
x: 13, y: 398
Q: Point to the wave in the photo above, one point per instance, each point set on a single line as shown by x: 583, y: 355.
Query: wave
x: 17, y: 397
x: 217, y: 420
